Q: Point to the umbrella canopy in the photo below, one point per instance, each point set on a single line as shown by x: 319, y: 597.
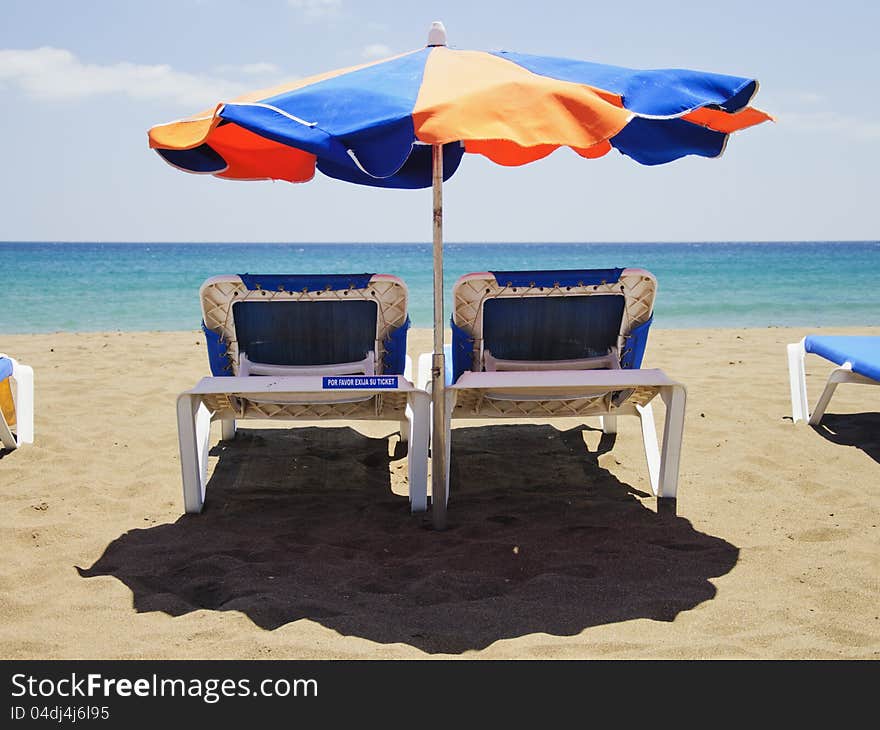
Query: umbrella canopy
x: 374, y: 124
x: 406, y: 122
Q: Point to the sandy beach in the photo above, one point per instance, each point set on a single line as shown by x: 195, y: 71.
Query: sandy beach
x: 306, y: 548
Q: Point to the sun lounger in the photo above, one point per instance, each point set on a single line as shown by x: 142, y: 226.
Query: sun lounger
x: 549, y: 344
x: 16, y: 403
x: 858, y: 359
x: 303, y: 347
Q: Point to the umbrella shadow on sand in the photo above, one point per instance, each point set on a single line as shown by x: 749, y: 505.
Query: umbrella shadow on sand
x: 303, y: 524
x: 861, y: 430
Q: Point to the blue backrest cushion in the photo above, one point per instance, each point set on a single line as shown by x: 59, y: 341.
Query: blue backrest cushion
x: 305, y: 332
x: 305, y: 282
x: 862, y: 351
x: 5, y: 368
x: 217, y: 353
x: 462, y: 350
x: 557, y: 277
x: 395, y: 350
x: 552, y: 327
x: 634, y: 348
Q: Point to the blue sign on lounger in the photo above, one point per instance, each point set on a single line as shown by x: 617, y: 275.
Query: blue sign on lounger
x: 342, y: 382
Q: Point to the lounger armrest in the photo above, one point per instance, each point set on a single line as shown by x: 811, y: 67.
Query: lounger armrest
x: 423, y: 379
x: 274, y: 385
x: 247, y: 367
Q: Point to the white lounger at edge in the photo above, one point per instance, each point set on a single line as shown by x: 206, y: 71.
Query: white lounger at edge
x: 844, y: 351
x: 21, y: 381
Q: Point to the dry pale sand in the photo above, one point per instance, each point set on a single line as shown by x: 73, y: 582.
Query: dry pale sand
x: 306, y: 548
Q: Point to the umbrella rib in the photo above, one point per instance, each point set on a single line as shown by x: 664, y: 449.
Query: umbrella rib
x: 360, y: 167
x: 185, y: 120
x: 274, y: 109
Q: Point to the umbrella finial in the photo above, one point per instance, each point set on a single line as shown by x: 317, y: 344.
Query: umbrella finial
x: 437, y: 34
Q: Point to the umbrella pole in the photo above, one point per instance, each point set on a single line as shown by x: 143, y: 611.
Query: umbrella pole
x: 438, y: 365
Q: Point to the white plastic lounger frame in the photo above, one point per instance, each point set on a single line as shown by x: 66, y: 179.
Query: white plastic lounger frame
x: 224, y: 398
x: 22, y: 387
x: 293, y: 393
x: 569, y: 388
x: 797, y: 377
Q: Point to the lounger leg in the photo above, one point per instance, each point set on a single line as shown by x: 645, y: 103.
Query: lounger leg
x: 437, y: 508
x: 798, y: 382
x: 450, y: 405
x: 419, y: 413
x: 838, y: 376
x: 609, y: 424
x: 406, y: 424
x: 652, y: 449
x: 193, y: 433
x: 673, y: 430
x: 227, y: 429
x: 423, y: 377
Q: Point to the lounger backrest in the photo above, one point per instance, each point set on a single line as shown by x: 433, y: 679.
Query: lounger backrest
x: 550, y: 315
x: 303, y: 320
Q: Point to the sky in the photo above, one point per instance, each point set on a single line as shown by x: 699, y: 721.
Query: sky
x: 83, y: 81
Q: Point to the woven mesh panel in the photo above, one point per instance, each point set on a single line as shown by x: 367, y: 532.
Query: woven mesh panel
x: 475, y: 404
x: 384, y: 406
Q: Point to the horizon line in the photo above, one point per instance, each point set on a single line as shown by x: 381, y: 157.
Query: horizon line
x: 428, y: 243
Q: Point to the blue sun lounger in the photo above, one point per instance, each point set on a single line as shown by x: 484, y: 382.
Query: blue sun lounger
x: 16, y: 403
x: 549, y: 344
x: 303, y: 348
x: 858, y: 359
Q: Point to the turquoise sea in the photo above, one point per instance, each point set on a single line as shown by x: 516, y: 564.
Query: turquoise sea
x: 48, y: 287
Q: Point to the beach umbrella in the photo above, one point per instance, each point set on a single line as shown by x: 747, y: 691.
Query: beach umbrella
x: 406, y: 122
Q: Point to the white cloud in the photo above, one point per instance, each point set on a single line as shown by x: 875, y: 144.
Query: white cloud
x: 261, y: 68
x: 315, y: 9
x: 813, y: 113
x: 831, y: 123
x: 376, y: 50
x: 57, y: 74
x: 809, y: 97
